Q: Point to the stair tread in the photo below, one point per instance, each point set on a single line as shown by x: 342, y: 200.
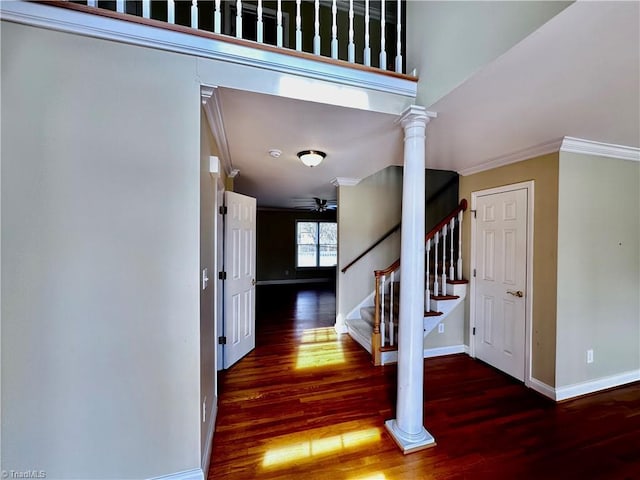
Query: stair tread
x: 444, y: 297
x: 432, y: 313
x: 457, y: 282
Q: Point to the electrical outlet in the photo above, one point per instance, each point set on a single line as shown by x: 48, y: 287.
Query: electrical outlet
x: 441, y: 328
x: 590, y: 356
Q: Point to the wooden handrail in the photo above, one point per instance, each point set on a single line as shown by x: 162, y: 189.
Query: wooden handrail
x: 395, y: 228
x: 460, y: 208
x: 377, y: 242
x: 223, y: 38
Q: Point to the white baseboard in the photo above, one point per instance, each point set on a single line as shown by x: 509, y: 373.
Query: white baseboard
x: 584, y: 388
x: 542, y: 388
x: 195, y: 474
x: 591, y: 386
x: 440, y: 351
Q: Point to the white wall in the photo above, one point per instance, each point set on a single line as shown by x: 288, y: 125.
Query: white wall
x: 598, y: 268
x: 366, y: 212
x: 208, y: 252
x: 100, y: 278
x: 448, y: 41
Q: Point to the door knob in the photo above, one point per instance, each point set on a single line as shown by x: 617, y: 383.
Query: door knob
x: 518, y: 294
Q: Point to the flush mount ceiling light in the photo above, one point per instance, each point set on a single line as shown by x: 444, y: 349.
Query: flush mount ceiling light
x: 311, y: 158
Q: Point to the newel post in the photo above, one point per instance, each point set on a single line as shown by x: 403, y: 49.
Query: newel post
x: 407, y: 428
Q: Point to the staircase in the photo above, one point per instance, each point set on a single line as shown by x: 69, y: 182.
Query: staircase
x: 374, y: 323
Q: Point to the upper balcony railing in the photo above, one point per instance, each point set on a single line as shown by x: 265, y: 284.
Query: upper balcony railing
x: 364, y: 32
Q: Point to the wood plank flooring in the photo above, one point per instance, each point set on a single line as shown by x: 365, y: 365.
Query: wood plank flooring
x: 306, y: 404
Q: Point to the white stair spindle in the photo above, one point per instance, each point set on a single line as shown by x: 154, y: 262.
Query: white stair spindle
x: 298, y: 27
x: 444, y: 260
x: 279, y: 33
x: 452, y: 274
x: 399, y: 39
x: 120, y: 6
x: 194, y: 14
x: 259, y: 24
x: 217, y: 18
x: 146, y: 8
x: 436, y: 284
x: 316, y: 25
x: 351, y: 49
x: 367, y: 49
x: 334, y: 30
x: 391, y: 300
x: 427, y: 293
x: 239, y: 19
x: 92, y: 3
x: 383, y: 42
x: 459, y: 263
x: 382, y: 319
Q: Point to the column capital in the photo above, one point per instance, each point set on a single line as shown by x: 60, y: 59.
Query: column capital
x: 415, y: 114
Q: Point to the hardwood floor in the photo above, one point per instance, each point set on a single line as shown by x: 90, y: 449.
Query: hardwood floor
x: 306, y: 404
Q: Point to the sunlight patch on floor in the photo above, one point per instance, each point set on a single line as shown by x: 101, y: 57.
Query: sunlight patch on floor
x: 370, y: 476
x: 319, y: 347
x: 309, y: 449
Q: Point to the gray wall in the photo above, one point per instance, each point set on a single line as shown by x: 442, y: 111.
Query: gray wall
x: 598, y: 268
x: 276, y: 246
x: 100, y: 249
x: 447, y: 42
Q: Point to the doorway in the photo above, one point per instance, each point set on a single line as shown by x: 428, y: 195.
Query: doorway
x: 501, y: 296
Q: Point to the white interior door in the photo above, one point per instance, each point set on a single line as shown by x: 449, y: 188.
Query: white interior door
x: 500, y: 283
x: 239, y: 286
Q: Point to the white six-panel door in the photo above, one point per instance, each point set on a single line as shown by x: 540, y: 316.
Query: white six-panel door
x: 240, y: 268
x: 501, y: 279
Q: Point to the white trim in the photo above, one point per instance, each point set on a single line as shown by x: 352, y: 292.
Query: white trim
x: 345, y: 182
x: 65, y: 20
x: 542, y: 388
x: 529, y: 187
x: 592, y: 386
x: 292, y: 281
x: 195, y: 474
x: 441, y: 351
x: 565, y: 144
x: 514, y: 157
x: 210, y: 96
x: 206, y: 456
x: 589, y: 147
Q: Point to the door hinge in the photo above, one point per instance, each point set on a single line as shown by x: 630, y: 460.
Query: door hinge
x: 222, y: 275
x: 222, y: 340
x: 474, y: 272
x: 474, y: 330
x: 223, y: 210
x: 474, y: 213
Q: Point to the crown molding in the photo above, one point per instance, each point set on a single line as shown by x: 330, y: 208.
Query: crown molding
x: 212, y: 108
x: 345, y: 181
x: 514, y: 157
x: 589, y: 147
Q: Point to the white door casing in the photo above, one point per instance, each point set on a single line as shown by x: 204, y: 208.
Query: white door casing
x: 501, y: 297
x: 239, y: 286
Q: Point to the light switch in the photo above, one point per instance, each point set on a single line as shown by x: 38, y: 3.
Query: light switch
x: 205, y: 278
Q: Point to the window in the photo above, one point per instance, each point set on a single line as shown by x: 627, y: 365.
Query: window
x: 317, y: 244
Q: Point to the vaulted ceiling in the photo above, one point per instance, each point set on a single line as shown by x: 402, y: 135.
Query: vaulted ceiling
x: 578, y: 75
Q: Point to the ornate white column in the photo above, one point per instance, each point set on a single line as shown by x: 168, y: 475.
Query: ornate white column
x: 407, y: 429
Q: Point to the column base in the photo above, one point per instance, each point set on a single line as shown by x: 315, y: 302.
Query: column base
x: 409, y: 444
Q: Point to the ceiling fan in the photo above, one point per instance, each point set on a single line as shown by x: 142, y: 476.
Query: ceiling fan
x: 322, y: 204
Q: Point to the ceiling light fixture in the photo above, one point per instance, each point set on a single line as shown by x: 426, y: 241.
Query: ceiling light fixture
x: 311, y: 158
